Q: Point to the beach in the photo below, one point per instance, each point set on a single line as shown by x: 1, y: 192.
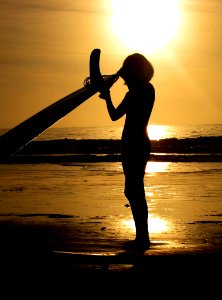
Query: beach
x: 64, y: 219
x: 80, y: 207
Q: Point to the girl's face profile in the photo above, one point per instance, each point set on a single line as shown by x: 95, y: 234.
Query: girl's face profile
x: 136, y: 69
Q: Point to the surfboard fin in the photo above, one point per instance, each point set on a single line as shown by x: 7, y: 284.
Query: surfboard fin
x: 96, y: 80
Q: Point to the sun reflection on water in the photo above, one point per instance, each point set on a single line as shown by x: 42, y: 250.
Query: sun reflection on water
x: 157, y: 132
x: 154, y: 167
x: 155, y: 224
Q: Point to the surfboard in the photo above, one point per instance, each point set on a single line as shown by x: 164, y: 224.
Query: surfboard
x: 16, y: 138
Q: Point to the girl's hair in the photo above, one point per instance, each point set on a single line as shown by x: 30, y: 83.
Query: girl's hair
x: 136, y: 68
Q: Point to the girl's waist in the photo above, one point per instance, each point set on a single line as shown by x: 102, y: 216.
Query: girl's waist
x: 136, y: 144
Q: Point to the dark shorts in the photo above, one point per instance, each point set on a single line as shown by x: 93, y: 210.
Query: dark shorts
x: 135, y: 156
x: 134, y: 166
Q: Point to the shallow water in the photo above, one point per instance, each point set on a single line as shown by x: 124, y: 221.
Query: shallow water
x: 184, y: 199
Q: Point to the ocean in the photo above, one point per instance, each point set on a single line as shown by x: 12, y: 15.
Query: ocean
x: 69, y: 183
x: 156, y: 132
x: 169, y: 143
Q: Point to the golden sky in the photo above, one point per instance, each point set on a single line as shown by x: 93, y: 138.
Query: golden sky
x: 45, y: 48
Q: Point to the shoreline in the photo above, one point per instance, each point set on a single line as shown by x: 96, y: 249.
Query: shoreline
x: 201, y: 149
x: 82, y: 158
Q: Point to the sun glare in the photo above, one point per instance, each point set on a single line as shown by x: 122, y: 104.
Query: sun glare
x: 145, y: 25
x: 156, y: 225
x: 157, y: 132
x: 156, y: 167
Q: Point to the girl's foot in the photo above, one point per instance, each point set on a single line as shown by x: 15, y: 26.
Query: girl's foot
x: 137, y: 245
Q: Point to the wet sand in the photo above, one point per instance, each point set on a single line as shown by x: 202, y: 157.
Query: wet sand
x: 81, y: 208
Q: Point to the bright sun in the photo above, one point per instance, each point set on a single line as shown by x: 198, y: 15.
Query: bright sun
x: 145, y: 25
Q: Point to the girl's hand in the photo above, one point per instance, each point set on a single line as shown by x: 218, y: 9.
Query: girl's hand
x: 104, y: 94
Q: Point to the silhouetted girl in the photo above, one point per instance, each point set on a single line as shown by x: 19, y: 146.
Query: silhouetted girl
x: 137, y: 105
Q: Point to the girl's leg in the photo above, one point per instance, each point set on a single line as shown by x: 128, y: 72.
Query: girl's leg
x: 134, y: 170
x: 136, y: 197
